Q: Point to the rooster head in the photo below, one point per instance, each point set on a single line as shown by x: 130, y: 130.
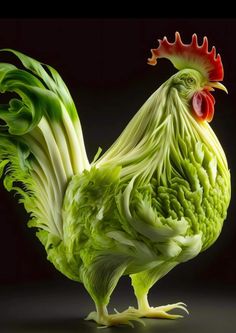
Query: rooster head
x: 200, y: 72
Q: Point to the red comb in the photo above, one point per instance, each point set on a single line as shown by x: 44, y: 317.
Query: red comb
x: 190, y: 56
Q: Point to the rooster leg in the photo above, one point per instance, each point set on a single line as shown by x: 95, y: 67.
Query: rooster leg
x: 142, y: 282
x: 100, y: 279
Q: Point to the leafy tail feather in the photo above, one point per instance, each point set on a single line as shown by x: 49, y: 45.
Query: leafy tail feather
x: 41, y: 141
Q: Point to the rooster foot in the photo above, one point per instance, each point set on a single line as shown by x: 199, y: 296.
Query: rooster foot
x: 119, y: 318
x: 159, y: 312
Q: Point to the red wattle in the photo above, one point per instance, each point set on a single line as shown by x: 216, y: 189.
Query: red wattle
x: 203, y: 105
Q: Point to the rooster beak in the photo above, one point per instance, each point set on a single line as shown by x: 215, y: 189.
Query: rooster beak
x: 211, y: 85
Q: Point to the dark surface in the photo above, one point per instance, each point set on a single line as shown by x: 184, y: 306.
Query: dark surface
x: 103, y: 62
x: 61, y: 309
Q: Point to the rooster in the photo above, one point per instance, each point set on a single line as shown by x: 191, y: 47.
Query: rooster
x: 157, y: 198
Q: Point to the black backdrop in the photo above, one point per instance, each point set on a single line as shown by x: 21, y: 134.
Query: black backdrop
x: 103, y: 62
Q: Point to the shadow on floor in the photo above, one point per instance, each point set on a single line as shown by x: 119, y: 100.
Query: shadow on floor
x: 79, y: 325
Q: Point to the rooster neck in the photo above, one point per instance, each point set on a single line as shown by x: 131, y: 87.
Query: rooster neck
x: 144, y: 144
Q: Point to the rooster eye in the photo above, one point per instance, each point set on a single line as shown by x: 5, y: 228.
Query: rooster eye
x: 187, y: 80
x: 190, y: 80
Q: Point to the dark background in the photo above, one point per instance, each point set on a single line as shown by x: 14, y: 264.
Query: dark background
x: 103, y: 62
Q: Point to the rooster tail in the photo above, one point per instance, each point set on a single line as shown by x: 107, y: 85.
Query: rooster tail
x: 41, y: 141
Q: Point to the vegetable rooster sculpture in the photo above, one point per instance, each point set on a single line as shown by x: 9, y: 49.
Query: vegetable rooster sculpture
x: 155, y: 199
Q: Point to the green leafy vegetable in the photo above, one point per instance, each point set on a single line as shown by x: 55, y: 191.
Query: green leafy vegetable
x: 155, y: 199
